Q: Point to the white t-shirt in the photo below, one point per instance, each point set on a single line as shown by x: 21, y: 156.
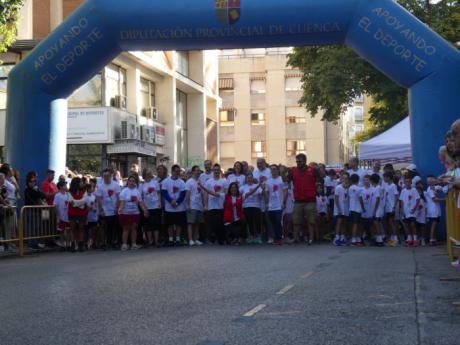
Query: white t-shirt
x: 262, y: 176
x: 366, y: 195
x: 391, y: 197
x: 196, y: 195
x: 151, y: 194
x: 361, y: 173
x: 433, y: 209
x: 131, y: 198
x: 290, y: 199
x: 204, y: 177
x: 93, y: 210
x: 218, y: 186
x: 409, y: 197
x: 174, y: 189
x: 329, y: 186
x: 11, y: 190
x: 109, y: 194
x: 322, y: 202
x: 241, y: 180
x: 61, y: 200
x: 355, y: 193
x: 254, y: 199
x: 275, y: 188
x: 342, y: 193
x: 421, y: 212
x: 377, y: 194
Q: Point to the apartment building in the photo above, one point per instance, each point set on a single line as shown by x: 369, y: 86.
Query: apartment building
x: 144, y: 107
x: 261, y: 116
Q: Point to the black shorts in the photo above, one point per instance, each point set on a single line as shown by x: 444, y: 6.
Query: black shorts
x: 91, y: 225
x: 409, y: 220
x: 176, y: 218
x: 438, y: 219
x: 341, y: 216
x: 153, y: 222
x: 322, y: 214
x: 390, y: 214
x: 355, y: 217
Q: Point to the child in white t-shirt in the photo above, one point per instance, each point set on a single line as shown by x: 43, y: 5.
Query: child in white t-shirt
x: 61, y: 201
x: 409, y: 200
x: 322, y: 208
x: 420, y: 218
x: 341, y: 210
x: 356, y: 209
x: 366, y: 198
x: 433, y: 212
x: 94, y: 238
x: 378, y: 204
x: 391, y: 202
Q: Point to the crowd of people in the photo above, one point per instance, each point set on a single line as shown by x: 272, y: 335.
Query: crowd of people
x: 269, y: 203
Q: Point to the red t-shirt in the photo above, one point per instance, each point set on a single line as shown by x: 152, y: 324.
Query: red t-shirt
x: 49, y: 187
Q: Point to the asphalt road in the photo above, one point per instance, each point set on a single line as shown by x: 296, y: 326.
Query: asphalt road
x: 232, y: 295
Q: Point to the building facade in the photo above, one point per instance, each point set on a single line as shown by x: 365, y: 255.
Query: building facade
x: 261, y: 116
x: 143, y: 108
x: 353, y: 121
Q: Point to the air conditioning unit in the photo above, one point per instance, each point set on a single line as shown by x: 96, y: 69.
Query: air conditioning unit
x: 152, y: 113
x: 118, y: 102
x: 129, y: 130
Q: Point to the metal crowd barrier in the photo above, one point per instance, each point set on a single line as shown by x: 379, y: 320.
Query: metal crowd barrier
x: 37, y: 223
x: 8, y: 230
x: 452, y: 222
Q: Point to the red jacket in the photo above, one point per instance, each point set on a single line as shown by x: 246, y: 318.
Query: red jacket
x: 304, y: 184
x: 229, y: 217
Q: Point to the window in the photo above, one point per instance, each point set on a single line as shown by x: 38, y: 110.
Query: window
x: 182, y: 63
x: 358, y: 113
x: 258, y: 86
x: 295, y: 115
x: 227, y: 117
x: 257, y: 118
x: 147, y: 97
x: 293, y: 83
x: 295, y: 147
x: 359, y: 128
x: 181, y: 128
x: 4, y: 71
x: 88, y: 95
x: 259, y: 149
x: 116, y: 87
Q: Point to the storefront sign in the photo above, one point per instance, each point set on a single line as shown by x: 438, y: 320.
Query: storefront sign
x: 88, y: 126
x: 160, y: 135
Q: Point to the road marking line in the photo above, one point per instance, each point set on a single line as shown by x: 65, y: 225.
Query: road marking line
x: 255, y: 310
x: 307, y: 275
x: 285, y: 289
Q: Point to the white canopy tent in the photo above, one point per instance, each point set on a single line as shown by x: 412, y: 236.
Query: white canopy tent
x: 392, y: 146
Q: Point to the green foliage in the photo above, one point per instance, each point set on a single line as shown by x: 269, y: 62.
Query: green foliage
x: 335, y: 75
x: 9, y: 15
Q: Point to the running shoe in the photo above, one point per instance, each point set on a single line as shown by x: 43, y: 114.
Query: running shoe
x: 124, y: 247
x: 198, y: 243
x: 191, y: 243
x: 270, y: 241
x: 336, y: 242
x: 454, y: 263
x: 135, y: 247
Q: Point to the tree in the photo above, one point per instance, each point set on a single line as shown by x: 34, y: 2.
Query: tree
x: 9, y: 15
x: 335, y: 75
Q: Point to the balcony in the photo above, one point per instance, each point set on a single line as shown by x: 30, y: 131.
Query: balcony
x: 132, y: 146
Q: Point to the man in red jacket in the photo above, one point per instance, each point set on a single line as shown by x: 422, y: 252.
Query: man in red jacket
x: 304, y: 181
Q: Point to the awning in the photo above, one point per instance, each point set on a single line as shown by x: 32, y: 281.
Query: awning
x: 392, y: 146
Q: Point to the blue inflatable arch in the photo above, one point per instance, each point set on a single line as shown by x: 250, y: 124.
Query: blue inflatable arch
x: 381, y: 31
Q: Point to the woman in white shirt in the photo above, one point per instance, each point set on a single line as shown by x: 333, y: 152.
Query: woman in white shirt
x: 128, y: 211
x: 276, y: 194
x: 252, y: 194
x: 151, y: 196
